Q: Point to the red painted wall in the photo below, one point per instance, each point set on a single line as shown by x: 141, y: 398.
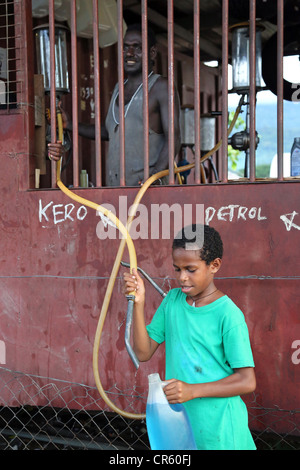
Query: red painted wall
x: 54, y: 273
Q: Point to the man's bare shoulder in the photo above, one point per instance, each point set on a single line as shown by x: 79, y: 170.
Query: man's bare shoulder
x: 161, y: 82
x: 160, y: 87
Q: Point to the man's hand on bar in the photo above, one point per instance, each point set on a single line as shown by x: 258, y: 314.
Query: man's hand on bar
x: 55, y: 151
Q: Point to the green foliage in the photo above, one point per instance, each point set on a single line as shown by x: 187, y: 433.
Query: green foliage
x: 233, y: 155
x: 262, y: 171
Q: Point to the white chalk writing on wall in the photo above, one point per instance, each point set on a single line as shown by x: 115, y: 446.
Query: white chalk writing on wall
x: 288, y: 220
x: 60, y: 212
x: 233, y: 211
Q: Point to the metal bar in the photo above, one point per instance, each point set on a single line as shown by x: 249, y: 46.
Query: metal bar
x: 197, y: 89
x: 145, y: 88
x: 252, y: 120
x: 171, y: 89
x: 74, y: 94
x: 121, y: 92
x: 6, y: 33
x: 97, y: 94
x: 18, y: 59
x: 224, y: 153
x: 149, y: 279
x: 280, y: 24
x: 52, y: 85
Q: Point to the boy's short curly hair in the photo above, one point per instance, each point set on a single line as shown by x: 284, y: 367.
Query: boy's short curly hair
x: 210, y: 245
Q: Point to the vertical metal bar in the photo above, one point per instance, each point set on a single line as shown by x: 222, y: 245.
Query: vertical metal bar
x: 52, y: 85
x: 6, y: 66
x: 171, y: 89
x: 24, y: 79
x: 121, y: 92
x: 145, y: 88
x: 252, y: 53
x: 74, y: 93
x: 224, y: 91
x: 97, y: 93
x: 280, y: 36
x: 197, y: 89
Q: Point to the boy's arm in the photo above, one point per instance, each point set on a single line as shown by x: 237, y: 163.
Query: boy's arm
x: 143, y: 346
x: 242, y: 381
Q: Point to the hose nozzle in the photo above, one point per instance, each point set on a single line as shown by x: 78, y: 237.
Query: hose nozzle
x: 130, y: 351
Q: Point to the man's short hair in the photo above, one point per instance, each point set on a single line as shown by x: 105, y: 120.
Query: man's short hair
x: 138, y: 27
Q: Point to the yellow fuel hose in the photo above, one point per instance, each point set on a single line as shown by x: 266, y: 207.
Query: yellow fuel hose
x: 133, y: 264
x: 125, y: 240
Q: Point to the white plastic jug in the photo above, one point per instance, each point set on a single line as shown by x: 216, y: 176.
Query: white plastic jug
x: 168, y: 425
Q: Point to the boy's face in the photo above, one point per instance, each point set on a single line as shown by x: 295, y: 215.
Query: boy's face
x: 192, y: 273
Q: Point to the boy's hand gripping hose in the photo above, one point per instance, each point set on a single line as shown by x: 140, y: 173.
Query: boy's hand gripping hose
x: 162, y: 293
x: 132, y: 256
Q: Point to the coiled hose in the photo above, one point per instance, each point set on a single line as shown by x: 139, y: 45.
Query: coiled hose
x: 125, y: 240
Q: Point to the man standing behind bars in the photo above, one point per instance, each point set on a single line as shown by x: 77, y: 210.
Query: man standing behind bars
x: 133, y: 111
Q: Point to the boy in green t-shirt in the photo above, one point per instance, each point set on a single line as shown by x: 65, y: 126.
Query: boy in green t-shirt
x: 209, y: 361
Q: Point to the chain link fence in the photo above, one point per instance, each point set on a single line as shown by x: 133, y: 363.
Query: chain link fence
x: 71, y: 426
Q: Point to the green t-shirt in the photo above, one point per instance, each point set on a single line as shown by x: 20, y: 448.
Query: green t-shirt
x: 205, y: 344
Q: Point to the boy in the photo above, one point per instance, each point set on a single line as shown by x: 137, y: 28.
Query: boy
x: 209, y: 362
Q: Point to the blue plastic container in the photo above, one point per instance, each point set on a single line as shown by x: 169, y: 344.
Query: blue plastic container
x: 295, y: 157
x: 168, y: 425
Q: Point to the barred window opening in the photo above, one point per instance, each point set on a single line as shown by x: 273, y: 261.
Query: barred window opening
x: 9, y: 57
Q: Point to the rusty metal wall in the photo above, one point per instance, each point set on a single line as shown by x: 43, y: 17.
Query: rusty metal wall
x: 53, y: 283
